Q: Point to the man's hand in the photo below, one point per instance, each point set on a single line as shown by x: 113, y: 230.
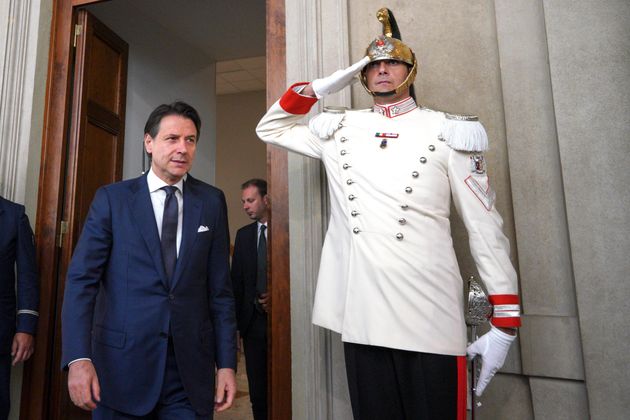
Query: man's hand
x: 22, y: 347
x: 265, y: 301
x: 493, y: 348
x: 336, y: 81
x: 226, y: 389
x: 83, y: 385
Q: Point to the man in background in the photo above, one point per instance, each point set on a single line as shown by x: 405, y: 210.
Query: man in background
x: 17, y: 327
x: 249, y: 280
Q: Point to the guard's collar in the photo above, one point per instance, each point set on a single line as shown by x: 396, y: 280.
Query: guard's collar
x: 397, y: 108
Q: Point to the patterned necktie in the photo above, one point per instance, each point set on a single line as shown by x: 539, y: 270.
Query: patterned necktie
x: 169, y: 232
x: 261, y: 262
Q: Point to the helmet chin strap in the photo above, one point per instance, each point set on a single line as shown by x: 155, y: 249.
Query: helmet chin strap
x: 390, y: 93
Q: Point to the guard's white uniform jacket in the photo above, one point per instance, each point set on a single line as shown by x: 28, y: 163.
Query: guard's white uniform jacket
x: 388, y: 275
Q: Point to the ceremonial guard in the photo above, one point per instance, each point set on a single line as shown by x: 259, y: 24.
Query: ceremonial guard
x: 389, y: 281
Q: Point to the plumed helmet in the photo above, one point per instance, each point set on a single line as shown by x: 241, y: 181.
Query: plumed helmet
x: 390, y: 47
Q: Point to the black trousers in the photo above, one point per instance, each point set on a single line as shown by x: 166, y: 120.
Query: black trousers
x: 396, y: 384
x: 255, y: 344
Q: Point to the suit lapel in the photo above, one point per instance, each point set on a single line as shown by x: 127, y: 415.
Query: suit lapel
x: 192, y: 217
x: 143, y: 214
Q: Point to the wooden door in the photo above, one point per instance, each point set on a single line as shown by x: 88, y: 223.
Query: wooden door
x: 94, y: 158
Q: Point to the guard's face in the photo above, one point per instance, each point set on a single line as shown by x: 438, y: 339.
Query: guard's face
x: 173, y: 148
x: 385, y: 76
x: 254, y: 204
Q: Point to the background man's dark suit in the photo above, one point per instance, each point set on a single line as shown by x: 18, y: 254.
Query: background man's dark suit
x: 252, y: 322
x: 16, y: 246
x: 125, y: 332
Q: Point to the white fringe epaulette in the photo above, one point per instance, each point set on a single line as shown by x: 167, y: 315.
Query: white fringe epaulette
x: 464, y: 133
x: 325, y: 124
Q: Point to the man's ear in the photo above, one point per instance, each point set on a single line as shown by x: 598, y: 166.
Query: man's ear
x: 266, y: 200
x: 148, y: 144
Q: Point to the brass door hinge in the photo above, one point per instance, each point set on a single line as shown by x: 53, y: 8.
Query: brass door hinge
x: 63, y: 229
x: 77, y: 32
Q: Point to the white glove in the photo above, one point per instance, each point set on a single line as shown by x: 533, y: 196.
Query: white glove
x: 325, y: 124
x: 493, y: 348
x: 338, y: 80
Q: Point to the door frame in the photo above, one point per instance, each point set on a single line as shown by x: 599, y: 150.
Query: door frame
x: 36, y: 377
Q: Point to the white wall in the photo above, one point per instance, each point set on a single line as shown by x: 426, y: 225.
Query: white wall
x: 240, y: 154
x: 162, y: 69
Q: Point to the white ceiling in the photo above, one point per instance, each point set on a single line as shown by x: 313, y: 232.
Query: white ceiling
x: 243, y: 75
x: 231, y: 32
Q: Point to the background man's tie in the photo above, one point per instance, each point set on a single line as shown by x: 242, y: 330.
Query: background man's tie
x: 261, y: 262
x: 169, y: 232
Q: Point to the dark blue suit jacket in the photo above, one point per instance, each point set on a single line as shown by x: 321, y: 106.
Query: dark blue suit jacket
x: 244, y: 271
x: 118, y: 309
x: 16, y: 247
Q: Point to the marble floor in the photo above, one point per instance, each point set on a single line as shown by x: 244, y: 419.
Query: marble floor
x: 241, y: 409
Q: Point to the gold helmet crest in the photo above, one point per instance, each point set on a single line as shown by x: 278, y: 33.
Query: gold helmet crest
x: 389, y: 47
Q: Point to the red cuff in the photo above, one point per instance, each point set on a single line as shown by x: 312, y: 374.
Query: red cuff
x: 294, y: 103
x: 506, y: 311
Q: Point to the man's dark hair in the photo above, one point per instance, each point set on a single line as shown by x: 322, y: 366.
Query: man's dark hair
x: 261, y: 184
x: 152, y: 127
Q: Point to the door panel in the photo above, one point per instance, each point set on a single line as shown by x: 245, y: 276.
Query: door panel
x: 94, y: 158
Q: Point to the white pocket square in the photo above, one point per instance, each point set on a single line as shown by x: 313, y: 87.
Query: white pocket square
x: 203, y: 228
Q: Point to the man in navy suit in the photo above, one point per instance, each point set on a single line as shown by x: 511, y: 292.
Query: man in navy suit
x: 249, y: 280
x: 148, y: 310
x: 17, y: 327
